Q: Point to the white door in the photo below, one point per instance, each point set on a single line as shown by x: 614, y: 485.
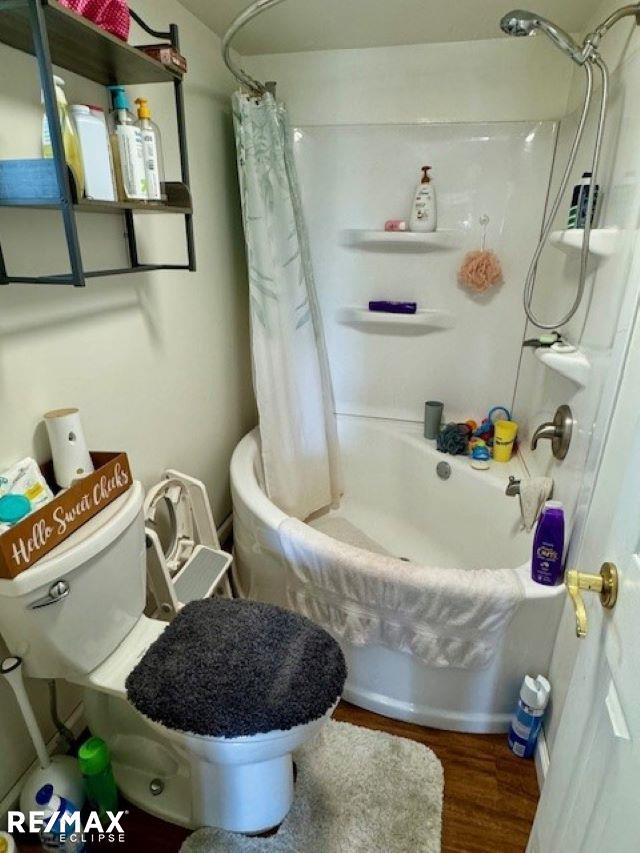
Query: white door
x: 591, y: 798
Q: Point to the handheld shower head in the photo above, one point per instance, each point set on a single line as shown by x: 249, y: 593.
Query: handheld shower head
x: 520, y: 22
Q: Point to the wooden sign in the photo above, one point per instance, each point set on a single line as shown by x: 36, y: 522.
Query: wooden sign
x: 37, y: 534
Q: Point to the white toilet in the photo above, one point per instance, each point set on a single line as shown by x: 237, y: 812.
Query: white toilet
x: 77, y: 615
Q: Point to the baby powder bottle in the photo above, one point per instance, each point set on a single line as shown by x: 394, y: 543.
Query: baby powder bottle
x: 94, y: 148
x: 423, y: 214
x: 69, y: 137
x: 527, y: 720
x: 548, y: 545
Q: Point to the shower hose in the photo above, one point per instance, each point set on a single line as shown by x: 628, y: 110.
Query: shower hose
x: 529, y: 286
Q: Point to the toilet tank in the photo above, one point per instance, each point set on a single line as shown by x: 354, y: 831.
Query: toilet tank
x: 102, y: 565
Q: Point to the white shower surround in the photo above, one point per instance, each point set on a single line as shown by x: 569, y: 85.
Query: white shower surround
x: 354, y: 178
x: 394, y: 496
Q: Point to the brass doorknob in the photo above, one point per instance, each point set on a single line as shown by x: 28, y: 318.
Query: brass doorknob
x: 605, y: 584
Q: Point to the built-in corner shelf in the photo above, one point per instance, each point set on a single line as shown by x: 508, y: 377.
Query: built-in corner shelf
x: 572, y: 365
x: 602, y: 243
x: 425, y: 320
x: 413, y: 241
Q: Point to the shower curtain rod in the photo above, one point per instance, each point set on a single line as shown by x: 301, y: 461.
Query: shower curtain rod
x: 237, y: 24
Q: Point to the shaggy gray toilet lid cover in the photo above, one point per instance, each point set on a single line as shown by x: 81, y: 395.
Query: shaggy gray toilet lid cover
x: 226, y: 668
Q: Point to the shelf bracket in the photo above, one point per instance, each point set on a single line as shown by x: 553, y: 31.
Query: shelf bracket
x: 45, y: 68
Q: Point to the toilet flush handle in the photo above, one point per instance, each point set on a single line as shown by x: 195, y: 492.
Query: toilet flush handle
x: 59, y: 590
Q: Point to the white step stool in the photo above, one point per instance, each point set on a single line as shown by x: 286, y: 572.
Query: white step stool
x: 192, y: 566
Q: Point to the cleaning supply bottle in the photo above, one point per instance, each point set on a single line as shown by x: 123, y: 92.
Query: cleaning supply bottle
x: 58, y: 835
x: 128, y: 149
x: 527, y: 720
x: 424, y: 214
x: 153, y: 160
x: 96, y: 157
x: 95, y: 766
x: 548, y: 545
x: 69, y: 137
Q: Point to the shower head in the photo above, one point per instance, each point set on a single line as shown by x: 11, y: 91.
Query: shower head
x: 520, y: 22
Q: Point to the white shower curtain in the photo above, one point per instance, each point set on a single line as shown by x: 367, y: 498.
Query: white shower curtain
x: 290, y: 366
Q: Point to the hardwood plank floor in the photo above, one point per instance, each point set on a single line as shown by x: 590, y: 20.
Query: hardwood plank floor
x: 490, y: 796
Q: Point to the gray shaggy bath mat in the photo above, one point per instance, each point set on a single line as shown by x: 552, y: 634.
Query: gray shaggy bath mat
x: 357, y: 791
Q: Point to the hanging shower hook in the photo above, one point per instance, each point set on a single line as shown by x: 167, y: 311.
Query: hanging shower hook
x: 484, y: 222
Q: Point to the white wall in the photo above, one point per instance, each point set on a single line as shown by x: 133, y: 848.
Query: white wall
x: 602, y: 325
x: 158, y: 363
x: 356, y: 178
x: 494, y: 80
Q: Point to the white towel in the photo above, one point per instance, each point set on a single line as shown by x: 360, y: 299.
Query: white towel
x: 533, y: 494
x: 446, y: 617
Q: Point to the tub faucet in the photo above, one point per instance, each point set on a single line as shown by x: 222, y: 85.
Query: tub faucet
x: 513, y: 487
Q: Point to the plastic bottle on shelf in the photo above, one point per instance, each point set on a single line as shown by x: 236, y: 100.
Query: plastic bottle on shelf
x: 69, y: 137
x: 94, y: 148
x: 153, y: 159
x: 424, y: 215
x: 128, y: 149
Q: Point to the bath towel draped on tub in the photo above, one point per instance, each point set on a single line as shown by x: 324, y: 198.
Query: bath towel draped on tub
x: 446, y: 617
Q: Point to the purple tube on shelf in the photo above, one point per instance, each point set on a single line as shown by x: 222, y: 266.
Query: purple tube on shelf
x: 387, y: 307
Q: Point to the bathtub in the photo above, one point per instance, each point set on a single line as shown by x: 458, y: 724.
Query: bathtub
x: 394, y: 495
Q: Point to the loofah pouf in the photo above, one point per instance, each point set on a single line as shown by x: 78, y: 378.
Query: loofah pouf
x: 480, y: 270
x: 454, y: 439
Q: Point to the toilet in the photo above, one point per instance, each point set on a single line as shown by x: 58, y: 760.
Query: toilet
x: 201, y: 715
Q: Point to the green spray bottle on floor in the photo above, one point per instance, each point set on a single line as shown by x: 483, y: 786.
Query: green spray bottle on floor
x: 95, y: 766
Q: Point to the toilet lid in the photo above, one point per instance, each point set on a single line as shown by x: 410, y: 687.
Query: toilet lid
x: 231, y: 668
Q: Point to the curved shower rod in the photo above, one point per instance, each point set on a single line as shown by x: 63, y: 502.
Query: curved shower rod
x: 581, y: 54
x: 237, y: 24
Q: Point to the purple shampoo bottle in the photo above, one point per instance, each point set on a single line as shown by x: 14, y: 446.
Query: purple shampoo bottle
x: 548, y: 545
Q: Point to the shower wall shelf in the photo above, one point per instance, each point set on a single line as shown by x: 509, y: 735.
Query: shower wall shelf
x: 420, y: 323
x: 57, y: 36
x: 602, y: 243
x: 572, y: 365
x: 434, y: 241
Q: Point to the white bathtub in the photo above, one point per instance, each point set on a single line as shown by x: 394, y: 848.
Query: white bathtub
x: 393, y: 494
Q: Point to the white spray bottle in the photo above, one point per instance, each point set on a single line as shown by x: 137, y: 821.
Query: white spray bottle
x: 424, y: 216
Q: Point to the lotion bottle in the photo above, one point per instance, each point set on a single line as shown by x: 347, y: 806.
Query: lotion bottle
x: 128, y: 149
x: 153, y: 160
x: 424, y: 214
x: 548, y: 545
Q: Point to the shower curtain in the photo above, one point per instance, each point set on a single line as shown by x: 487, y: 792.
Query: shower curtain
x: 291, y: 377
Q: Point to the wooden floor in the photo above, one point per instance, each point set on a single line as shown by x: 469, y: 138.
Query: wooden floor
x: 490, y: 796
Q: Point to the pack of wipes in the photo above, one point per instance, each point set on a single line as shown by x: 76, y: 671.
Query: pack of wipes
x: 25, y: 478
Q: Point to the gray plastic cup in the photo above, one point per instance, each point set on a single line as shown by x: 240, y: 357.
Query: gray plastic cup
x: 432, y: 418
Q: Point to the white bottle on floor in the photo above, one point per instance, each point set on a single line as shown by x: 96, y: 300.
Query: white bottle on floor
x: 424, y: 215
